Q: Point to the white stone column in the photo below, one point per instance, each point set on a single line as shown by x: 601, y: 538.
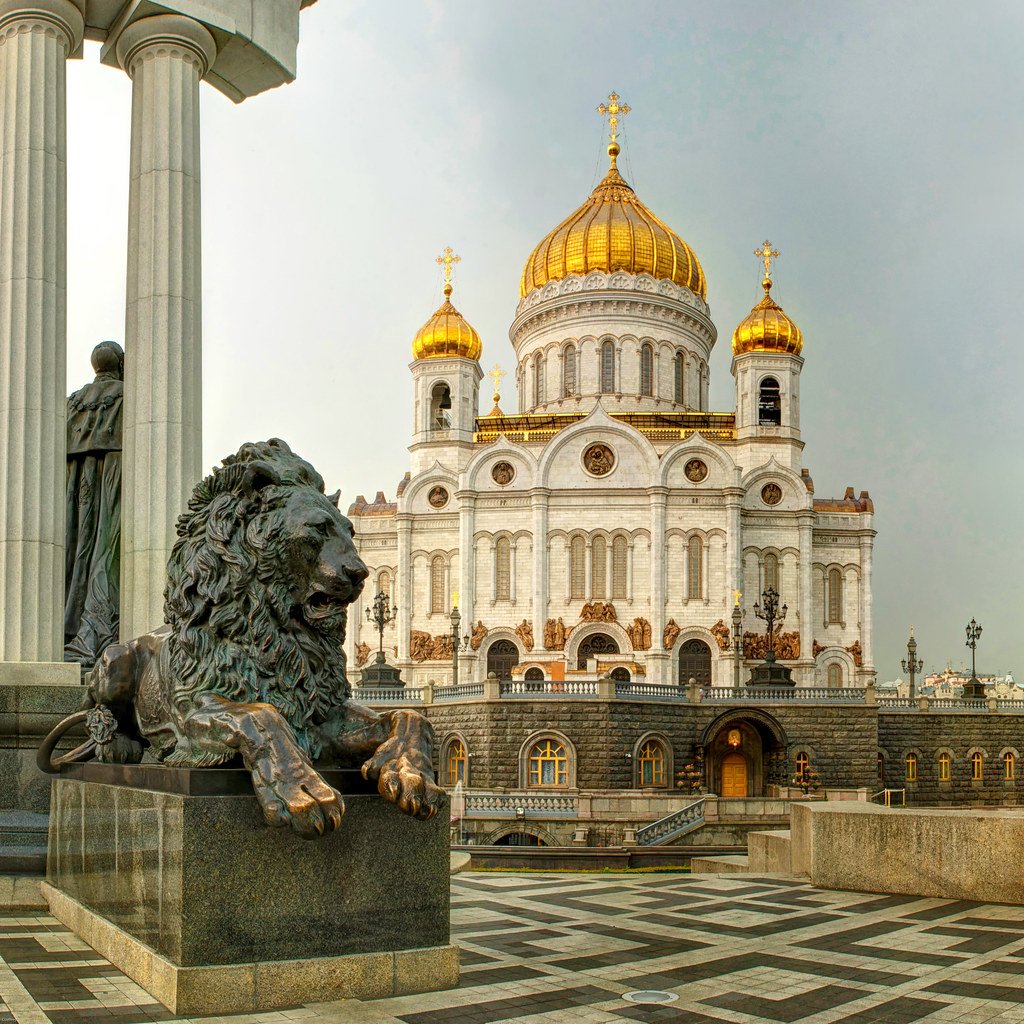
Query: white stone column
x: 806, y: 529
x: 406, y: 595
x: 166, y: 57
x: 36, y: 38
x: 659, y: 497
x: 467, y: 580
x: 867, y: 655
x: 539, y: 612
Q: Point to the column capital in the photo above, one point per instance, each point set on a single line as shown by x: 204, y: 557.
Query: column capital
x: 173, y: 32
x: 62, y: 16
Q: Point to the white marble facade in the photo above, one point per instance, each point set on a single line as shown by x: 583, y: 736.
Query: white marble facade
x: 504, y: 511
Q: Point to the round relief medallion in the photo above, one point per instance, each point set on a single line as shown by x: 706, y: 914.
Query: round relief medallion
x: 695, y: 471
x: 599, y: 459
x: 438, y: 497
x: 771, y: 494
x: 503, y: 473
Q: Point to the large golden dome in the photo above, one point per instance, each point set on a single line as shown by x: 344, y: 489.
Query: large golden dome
x: 612, y: 231
x: 767, y: 329
x: 446, y: 334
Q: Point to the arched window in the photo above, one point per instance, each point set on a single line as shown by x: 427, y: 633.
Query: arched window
x: 534, y: 675
x: 944, y: 767
x: 598, y: 567
x: 548, y: 764
x: 438, y: 591
x: 881, y: 767
x: 694, y: 569
x: 1009, y: 766
x: 620, y: 568
x: 456, y: 762
x: 568, y: 371
x: 538, y: 379
x: 577, y: 568
x: 647, y: 370
x: 593, y: 645
x: 803, y: 762
x: 977, y: 766
x: 440, y: 406
x: 835, y: 596
x: 502, y: 569
x: 835, y: 676
x: 384, y: 583
x: 607, y: 368
x: 911, y: 763
x: 677, y: 383
x: 502, y: 657
x: 769, y: 403
x: 695, y: 663
x: 771, y: 573
x: 652, y: 764
x: 620, y: 674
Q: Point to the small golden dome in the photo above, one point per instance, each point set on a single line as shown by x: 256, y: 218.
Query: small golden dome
x: 767, y: 329
x: 446, y: 334
x: 613, y: 231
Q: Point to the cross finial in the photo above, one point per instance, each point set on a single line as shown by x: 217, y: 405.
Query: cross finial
x: 613, y: 110
x: 447, y: 260
x: 496, y: 374
x: 767, y: 253
x: 737, y: 594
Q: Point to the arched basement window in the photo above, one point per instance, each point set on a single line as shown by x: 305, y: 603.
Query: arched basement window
x: 456, y: 762
x: 769, y: 403
x: 652, y: 764
x: 548, y: 764
x: 911, y: 763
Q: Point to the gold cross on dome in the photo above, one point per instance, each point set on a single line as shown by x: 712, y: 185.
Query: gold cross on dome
x: 613, y: 110
x: 496, y: 374
x: 767, y: 253
x: 447, y: 259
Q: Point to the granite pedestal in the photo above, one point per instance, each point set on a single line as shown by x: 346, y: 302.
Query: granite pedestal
x: 172, y: 875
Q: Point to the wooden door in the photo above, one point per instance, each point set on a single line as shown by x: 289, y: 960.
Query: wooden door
x: 734, y: 776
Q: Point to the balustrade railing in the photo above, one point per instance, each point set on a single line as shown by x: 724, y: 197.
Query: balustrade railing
x: 464, y: 691
x: 657, y: 691
x: 805, y: 694
x: 547, y: 688
x: 521, y: 805
x: 680, y: 821
x: 388, y: 694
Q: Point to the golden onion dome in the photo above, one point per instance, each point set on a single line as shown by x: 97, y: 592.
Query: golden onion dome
x: 447, y: 334
x: 613, y: 231
x: 767, y: 329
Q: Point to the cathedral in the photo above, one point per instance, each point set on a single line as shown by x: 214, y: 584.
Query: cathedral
x: 613, y: 524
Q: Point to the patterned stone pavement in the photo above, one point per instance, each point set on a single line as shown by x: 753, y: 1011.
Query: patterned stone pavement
x: 567, y: 948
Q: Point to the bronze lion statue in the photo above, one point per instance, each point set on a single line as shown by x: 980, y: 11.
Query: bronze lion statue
x: 250, y: 665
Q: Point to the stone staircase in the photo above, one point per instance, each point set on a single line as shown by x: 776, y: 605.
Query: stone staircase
x: 23, y: 836
x: 768, y: 853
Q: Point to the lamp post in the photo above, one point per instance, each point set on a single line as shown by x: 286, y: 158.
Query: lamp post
x: 773, y: 616
x: 737, y: 638
x: 974, y: 689
x: 458, y: 641
x: 381, y: 614
x: 912, y: 663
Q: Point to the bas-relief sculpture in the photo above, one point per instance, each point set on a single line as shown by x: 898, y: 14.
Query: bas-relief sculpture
x: 250, y: 665
x: 555, y: 634
x: 598, y: 611
x: 93, y: 509
x: 525, y: 633
x: 639, y: 632
x: 723, y: 637
x: 787, y: 645
x: 671, y: 634
x: 424, y: 647
x: 478, y: 635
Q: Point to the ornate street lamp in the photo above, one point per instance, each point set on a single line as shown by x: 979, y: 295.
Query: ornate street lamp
x: 912, y: 663
x: 381, y: 613
x: 974, y: 689
x: 770, y: 673
x: 458, y: 641
x: 737, y: 638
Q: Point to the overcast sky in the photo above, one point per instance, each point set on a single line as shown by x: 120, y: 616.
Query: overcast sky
x: 879, y: 146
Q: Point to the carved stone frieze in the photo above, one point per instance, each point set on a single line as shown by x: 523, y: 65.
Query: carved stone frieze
x: 424, y: 647
x: 598, y: 611
x: 362, y: 654
x: 787, y: 645
x: 639, y: 632
x: 671, y: 634
x: 554, y: 635
x: 477, y: 637
x: 720, y: 631
x: 525, y: 633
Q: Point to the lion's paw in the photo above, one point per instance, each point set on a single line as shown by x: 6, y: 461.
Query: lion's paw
x: 410, y: 788
x: 302, y: 801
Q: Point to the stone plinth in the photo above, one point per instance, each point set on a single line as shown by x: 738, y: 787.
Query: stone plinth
x: 965, y: 855
x: 172, y: 875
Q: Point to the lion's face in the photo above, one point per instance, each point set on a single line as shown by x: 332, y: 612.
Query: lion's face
x: 325, y: 571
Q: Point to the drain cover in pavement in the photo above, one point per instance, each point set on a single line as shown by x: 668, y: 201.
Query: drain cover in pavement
x: 650, y: 995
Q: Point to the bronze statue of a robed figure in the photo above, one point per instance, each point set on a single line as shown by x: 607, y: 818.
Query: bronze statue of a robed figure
x: 249, y: 667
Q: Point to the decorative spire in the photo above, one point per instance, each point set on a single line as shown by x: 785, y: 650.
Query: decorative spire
x: 496, y: 374
x: 447, y: 259
x: 767, y: 253
x: 613, y: 110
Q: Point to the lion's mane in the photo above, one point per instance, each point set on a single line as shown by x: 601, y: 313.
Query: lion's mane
x: 234, y: 628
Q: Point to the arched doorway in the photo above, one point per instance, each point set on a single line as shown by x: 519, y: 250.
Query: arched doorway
x: 695, y: 662
x: 596, y: 643
x: 734, y: 776
x: 519, y: 839
x: 502, y: 657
